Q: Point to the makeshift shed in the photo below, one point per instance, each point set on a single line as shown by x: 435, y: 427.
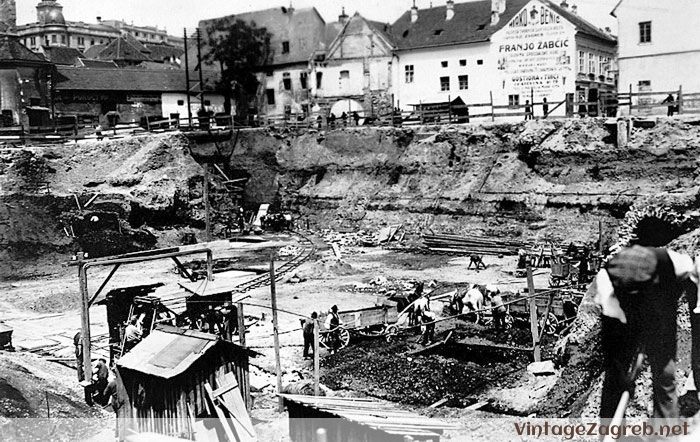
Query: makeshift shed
x: 357, y: 419
x: 174, y: 378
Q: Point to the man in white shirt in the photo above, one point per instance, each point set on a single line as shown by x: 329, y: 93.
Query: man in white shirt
x: 638, y: 293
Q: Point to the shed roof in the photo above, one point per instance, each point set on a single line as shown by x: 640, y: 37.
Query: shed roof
x: 378, y: 415
x: 128, y: 80
x: 169, y: 351
x: 11, y: 50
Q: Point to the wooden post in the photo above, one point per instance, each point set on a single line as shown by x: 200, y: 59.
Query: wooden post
x: 207, y: 208
x: 85, y: 318
x: 210, y: 266
x: 532, y: 302
x: 241, y: 324
x: 600, y: 236
x: 275, y: 332
x: 493, y: 117
x: 420, y: 110
x: 532, y: 102
x: 630, y: 99
x: 449, y: 109
x: 317, y: 359
x: 680, y: 99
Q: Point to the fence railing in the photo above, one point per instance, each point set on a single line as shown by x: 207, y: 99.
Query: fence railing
x: 81, y: 127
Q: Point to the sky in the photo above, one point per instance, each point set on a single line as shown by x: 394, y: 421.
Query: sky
x: 174, y: 15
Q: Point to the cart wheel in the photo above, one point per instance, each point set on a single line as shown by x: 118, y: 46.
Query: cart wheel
x: 554, y: 282
x: 550, y: 327
x: 343, y: 337
x: 390, y: 332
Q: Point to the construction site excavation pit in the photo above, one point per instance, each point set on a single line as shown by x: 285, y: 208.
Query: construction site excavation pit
x: 374, y: 212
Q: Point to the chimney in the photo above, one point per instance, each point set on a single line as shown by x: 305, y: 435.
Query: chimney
x: 290, y: 9
x: 574, y: 9
x: 449, y: 10
x: 414, y: 12
x: 99, y: 19
x: 608, y: 30
x: 564, y: 5
x: 498, y: 7
x: 343, y: 17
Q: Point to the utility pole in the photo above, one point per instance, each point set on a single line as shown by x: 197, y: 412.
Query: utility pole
x: 533, y: 315
x: 187, y: 88
x: 316, y: 359
x: 275, y: 332
x: 207, y: 206
x: 199, y: 67
x: 84, y: 317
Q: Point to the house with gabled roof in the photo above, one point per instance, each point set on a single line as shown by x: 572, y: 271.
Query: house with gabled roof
x: 505, y: 51
x: 296, y: 34
x: 354, y: 74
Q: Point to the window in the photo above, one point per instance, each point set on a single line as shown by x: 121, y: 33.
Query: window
x: 463, y: 82
x: 102, y: 41
x: 270, y: 96
x: 285, y: 47
x: 409, y: 73
x: 644, y: 84
x: 33, y: 41
x: 444, y: 64
x: 444, y: 84
x: 601, y: 65
x: 287, y: 81
x: 92, y: 42
x: 581, y: 61
x: 438, y: 32
x: 303, y: 79
x: 180, y: 102
x: 513, y: 100
x: 54, y: 38
x: 81, y: 41
x: 207, y: 103
x: 462, y: 62
x: 344, y: 75
x: 645, y: 32
x: 591, y: 64
x: 319, y: 80
x: 479, y: 62
x: 63, y: 39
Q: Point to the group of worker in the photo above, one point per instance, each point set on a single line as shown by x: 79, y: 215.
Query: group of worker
x: 332, y: 325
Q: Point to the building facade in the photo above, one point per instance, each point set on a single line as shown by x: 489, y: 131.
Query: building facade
x: 657, y: 50
x: 52, y: 29
x: 354, y: 74
x: 508, y: 52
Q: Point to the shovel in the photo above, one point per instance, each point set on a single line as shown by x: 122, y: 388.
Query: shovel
x: 625, y: 398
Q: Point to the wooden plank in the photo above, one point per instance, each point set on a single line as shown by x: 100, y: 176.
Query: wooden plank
x: 533, y: 315
x: 430, y: 347
x: 219, y: 413
x: 233, y: 402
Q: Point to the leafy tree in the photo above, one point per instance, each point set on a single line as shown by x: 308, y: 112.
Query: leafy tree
x: 240, y: 49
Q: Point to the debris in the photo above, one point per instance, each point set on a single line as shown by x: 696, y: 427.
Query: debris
x: 544, y: 368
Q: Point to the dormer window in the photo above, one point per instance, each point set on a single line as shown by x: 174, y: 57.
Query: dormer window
x: 405, y: 33
x: 285, y: 47
x: 438, y: 32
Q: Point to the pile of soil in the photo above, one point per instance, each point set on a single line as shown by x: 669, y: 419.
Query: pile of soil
x: 326, y: 268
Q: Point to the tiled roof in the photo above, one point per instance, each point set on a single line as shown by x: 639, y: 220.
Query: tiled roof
x: 303, y: 28
x: 130, y: 80
x: 471, y: 24
x: 11, y: 50
x: 123, y: 48
x: 331, y: 32
x: 163, y: 52
x: 62, y: 55
x: 382, y: 28
x: 104, y: 64
x: 94, y: 51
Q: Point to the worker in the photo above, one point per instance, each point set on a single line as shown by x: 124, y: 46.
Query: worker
x: 671, y: 104
x: 307, y: 326
x: 132, y: 334
x: 100, y: 376
x: 413, y: 319
x: 241, y: 220
x: 498, y: 310
x: 638, y: 293
x: 110, y: 392
x: 227, y: 318
x: 98, y: 132
x: 428, y: 327
x: 78, y: 342
x: 333, y: 323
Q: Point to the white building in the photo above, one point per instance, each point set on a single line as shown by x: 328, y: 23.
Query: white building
x: 508, y: 51
x: 354, y: 74
x: 659, y: 45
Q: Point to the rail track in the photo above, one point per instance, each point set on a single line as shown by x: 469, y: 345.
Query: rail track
x: 308, y: 249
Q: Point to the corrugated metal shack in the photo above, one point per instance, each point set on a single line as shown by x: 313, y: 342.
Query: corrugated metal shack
x: 357, y: 419
x: 165, y: 383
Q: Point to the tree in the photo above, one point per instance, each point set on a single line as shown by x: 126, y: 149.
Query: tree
x: 240, y: 48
